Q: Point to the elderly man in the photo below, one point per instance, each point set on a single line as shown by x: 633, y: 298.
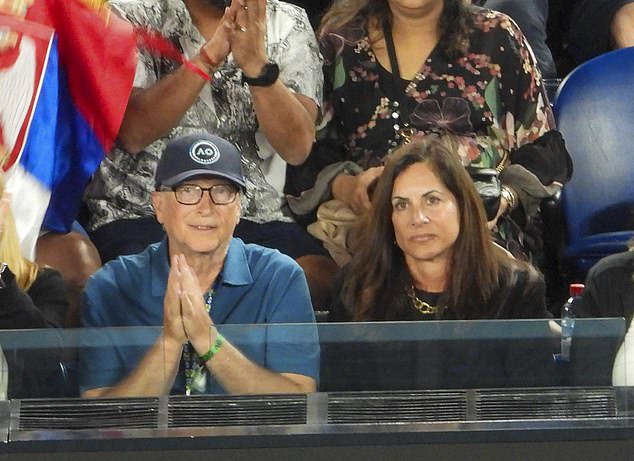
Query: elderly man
x: 197, y: 278
x: 266, y: 82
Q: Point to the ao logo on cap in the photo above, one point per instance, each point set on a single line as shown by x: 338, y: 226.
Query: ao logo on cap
x: 204, y: 152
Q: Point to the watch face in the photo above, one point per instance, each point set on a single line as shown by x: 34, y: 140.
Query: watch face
x: 268, y: 76
x: 270, y: 72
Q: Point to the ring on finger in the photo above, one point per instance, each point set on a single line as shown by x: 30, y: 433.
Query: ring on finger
x: 242, y: 29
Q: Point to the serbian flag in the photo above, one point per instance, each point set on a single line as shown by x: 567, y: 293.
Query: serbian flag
x: 66, y: 72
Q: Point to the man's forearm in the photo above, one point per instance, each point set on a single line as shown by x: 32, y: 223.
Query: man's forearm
x: 239, y: 375
x: 287, y: 120
x: 153, y: 111
x: 154, y: 376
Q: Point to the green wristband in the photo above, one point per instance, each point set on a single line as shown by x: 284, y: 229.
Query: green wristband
x: 213, y: 350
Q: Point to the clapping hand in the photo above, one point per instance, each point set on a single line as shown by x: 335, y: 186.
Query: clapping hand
x: 360, y: 198
x: 247, y: 34
x: 173, y: 327
x: 242, y: 31
x: 196, y: 320
x: 217, y: 48
x: 185, y: 315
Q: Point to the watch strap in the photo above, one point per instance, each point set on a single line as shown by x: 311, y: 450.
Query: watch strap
x: 267, y: 77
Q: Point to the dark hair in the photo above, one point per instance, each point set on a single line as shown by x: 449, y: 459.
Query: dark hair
x: 377, y: 277
x: 455, y: 22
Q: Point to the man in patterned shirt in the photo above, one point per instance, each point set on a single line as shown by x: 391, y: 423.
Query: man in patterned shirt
x: 263, y: 97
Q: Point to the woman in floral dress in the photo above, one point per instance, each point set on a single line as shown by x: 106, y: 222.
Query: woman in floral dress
x: 455, y: 69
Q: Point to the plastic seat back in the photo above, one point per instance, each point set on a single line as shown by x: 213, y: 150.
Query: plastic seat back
x: 594, y: 109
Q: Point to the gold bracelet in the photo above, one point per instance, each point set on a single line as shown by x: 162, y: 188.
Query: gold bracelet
x: 510, y: 196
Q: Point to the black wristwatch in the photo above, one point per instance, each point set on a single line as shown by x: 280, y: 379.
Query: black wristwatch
x: 268, y: 76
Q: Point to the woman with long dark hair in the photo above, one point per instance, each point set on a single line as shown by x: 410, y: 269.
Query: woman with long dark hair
x: 425, y: 251
x: 400, y: 69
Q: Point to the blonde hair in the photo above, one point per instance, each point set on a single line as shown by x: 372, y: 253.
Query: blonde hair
x: 25, y: 271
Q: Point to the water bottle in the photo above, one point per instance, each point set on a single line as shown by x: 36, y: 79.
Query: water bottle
x: 568, y: 320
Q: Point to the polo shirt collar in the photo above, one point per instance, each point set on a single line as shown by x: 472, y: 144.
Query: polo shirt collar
x: 236, y: 268
x: 160, y: 267
x: 235, y: 273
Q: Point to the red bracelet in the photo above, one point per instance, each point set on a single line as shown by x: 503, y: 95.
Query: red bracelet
x: 210, y: 62
x: 195, y: 69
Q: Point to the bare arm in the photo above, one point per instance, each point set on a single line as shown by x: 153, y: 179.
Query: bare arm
x: 286, y: 119
x: 153, y: 376
x: 623, y: 26
x: 238, y: 375
x: 153, y: 111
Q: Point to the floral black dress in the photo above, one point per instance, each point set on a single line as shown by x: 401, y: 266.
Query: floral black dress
x: 491, y: 97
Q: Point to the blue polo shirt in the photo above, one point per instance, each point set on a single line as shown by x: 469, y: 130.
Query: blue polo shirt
x: 257, y: 286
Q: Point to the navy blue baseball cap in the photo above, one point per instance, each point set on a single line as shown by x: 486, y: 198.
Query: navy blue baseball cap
x: 197, y: 155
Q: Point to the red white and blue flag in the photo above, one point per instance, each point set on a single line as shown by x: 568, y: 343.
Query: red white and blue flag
x: 65, y: 79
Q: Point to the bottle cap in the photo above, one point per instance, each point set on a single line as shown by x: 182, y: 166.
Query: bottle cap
x: 576, y: 289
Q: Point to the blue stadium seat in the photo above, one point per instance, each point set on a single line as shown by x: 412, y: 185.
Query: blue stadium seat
x: 594, y: 109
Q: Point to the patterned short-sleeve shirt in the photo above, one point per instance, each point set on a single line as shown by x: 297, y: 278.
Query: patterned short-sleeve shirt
x: 122, y: 186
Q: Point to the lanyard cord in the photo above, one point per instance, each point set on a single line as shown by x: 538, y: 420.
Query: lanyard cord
x: 404, y: 131
x: 396, y: 72
x: 195, y: 376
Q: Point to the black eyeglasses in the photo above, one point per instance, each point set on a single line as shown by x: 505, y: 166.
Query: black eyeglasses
x: 192, y: 194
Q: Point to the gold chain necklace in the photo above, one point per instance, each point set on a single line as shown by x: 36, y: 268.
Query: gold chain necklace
x: 421, y: 306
